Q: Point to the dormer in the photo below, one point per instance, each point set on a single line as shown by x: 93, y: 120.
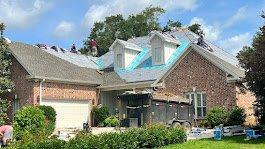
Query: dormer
x: 162, y: 47
x: 124, y: 53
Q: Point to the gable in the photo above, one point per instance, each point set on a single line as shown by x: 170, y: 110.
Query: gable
x: 195, y: 67
x: 156, y: 41
x: 43, y: 65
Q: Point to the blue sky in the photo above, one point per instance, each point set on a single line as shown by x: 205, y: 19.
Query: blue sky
x: 229, y: 24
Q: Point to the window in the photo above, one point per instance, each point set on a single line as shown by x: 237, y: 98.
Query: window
x: 157, y: 55
x: 199, y: 103
x: 15, y: 106
x: 119, y: 60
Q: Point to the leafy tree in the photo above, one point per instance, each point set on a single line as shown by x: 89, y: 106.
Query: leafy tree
x: 252, y: 59
x: 117, y: 26
x: 196, y: 28
x: 5, y: 81
x: 171, y: 24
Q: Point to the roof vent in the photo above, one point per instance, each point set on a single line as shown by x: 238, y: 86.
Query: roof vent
x: 42, y: 46
x: 63, y: 50
x: 54, y: 48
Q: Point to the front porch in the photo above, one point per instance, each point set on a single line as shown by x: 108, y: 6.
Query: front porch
x: 139, y: 108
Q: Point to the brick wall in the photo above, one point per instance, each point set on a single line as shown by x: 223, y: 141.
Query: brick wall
x: 245, y: 99
x: 194, y: 71
x: 22, y: 87
x: 27, y: 91
x: 58, y: 91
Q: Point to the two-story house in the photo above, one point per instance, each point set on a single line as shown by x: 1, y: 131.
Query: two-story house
x: 174, y: 66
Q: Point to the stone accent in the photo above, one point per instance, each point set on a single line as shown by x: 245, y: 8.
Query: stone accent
x: 196, y: 72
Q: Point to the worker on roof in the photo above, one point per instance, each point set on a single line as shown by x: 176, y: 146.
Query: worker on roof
x: 94, y: 45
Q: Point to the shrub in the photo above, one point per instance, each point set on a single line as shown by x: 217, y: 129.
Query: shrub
x: 216, y: 116
x: 203, y: 124
x: 84, y: 142
x: 40, y: 144
x: 236, y: 117
x: 49, y: 112
x: 28, y: 119
x: 50, y: 118
x: 150, y: 136
x: 111, y: 121
x: 100, y: 114
x: 4, y: 104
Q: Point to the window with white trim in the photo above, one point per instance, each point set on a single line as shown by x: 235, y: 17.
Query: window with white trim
x: 15, y: 106
x: 119, y: 60
x: 199, y: 100
x: 157, y: 55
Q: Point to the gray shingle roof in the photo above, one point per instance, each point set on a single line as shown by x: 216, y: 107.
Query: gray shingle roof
x: 110, y: 78
x: 41, y: 64
x: 126, y: 44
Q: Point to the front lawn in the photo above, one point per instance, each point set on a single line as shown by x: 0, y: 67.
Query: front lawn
x: 236, y: 142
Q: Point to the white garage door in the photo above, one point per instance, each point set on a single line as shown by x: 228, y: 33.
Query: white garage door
x: 70, y: 114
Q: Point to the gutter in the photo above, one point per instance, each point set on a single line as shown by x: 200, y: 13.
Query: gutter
x: 41, y: 82
x: 148, y: 84
x: 67, y: 81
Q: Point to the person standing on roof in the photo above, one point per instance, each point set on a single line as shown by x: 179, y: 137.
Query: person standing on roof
x: 6, y: 134
x: 94, y: 49
x: 73, y: 49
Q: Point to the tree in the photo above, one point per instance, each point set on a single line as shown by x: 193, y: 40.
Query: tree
x: 117, y: 26
x: 196, y: 28
x: 252, y: 59
x: 5, y: 81
x: 171, y: 25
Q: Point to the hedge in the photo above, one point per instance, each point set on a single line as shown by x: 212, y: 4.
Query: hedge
x: 147, y: 137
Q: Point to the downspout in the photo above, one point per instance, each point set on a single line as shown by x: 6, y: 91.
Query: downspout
x: 41, y: 82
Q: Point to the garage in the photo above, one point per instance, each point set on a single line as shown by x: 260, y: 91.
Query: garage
x: 70, y: 113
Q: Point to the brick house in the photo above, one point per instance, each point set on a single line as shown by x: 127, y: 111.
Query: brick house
x: 171, y: 63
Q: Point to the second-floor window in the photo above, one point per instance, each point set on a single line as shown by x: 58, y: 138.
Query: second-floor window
x: 119, y: 60
x: 157, y: 55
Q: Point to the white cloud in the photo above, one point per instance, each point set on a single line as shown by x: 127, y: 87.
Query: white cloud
x: 21, y: 13
x: 236, y: 43
x: 126, y: 7
x: 212, y: 32
x: 241, y: 14
x: 64, y: 29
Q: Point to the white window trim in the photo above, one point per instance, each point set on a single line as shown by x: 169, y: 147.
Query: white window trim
x: 161, y: 54
x: 119, y: 62
x: 196, y: 103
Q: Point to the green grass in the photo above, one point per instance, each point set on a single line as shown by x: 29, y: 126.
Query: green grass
x: 236, y: 142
